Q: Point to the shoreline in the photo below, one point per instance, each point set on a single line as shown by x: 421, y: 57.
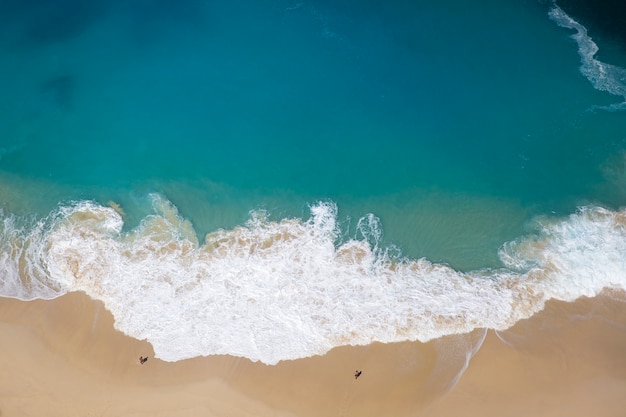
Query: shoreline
x: 63, y: 357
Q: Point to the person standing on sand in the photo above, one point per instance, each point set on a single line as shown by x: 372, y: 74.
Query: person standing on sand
x: 357, y: 374
x: 142, y: 360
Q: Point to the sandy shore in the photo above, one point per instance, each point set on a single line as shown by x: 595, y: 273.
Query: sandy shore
x: 63, y: 358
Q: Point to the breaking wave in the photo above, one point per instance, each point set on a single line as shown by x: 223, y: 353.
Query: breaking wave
x: 279, y: 290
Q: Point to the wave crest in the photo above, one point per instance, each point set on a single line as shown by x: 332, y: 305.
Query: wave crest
x: 278, y: 290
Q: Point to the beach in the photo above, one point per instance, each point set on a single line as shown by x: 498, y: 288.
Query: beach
x: 64, y: 358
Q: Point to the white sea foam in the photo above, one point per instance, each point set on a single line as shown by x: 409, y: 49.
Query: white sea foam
x: 603, y: 76
x: 278, y: 290
x: 23, y: 260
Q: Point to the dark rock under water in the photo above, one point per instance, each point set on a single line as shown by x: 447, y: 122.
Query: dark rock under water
x: 58, y: 92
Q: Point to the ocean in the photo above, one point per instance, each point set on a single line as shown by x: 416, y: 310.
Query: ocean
x: 274, y: 179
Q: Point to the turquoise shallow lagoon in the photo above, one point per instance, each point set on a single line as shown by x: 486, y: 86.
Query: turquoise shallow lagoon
x: 449, y: 129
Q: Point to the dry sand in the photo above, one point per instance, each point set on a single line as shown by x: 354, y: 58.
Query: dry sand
x: 63, y: 358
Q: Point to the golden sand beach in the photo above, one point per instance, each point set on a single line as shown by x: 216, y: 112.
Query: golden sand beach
x: 64, y: 358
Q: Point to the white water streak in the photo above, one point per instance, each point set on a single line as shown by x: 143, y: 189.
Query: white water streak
x: 603, y: 76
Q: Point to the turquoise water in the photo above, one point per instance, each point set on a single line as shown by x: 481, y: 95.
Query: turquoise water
x: 374, y: 106
x: 456, y: 124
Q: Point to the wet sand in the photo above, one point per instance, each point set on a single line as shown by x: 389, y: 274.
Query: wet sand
x: 64, y: 358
